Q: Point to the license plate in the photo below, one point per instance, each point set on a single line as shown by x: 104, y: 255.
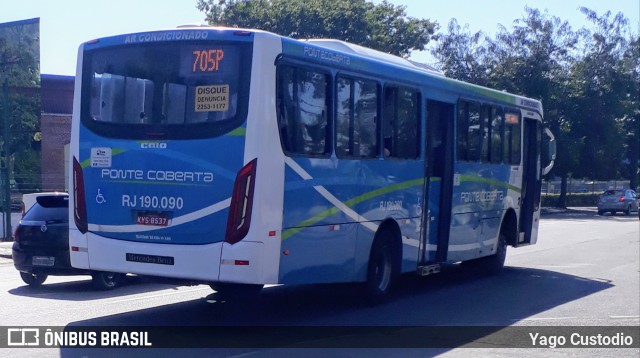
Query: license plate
x: 43, y: 260
x: 152, y: 219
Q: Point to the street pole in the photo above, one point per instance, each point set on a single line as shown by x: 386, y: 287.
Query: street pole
x: 5, y: 168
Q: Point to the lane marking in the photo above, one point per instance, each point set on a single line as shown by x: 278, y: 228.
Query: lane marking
x: 548, y: 318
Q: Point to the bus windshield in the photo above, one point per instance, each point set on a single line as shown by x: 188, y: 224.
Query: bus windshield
x: 165, y: 85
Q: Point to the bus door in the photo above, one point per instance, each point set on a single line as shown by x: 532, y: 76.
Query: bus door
x: 531, y: 181
x: 438, y: 182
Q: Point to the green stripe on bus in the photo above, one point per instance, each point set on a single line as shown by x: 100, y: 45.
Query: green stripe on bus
x: 479, y: 179
x: 350, y: 203
x: 388, y: 189
x: 238, y: 132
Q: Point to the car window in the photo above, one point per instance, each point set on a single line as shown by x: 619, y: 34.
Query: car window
x: 46, y: 209
x: 613, y: 192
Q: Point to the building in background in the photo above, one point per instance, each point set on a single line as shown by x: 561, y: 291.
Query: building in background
x: 55, y: 127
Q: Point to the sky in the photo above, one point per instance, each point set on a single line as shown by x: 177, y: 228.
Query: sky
x: 64, y: 24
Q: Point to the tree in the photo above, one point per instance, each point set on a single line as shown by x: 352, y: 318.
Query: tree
x: 384, y: 27
x: 20, y: 67
x: 631, y: 122
x: 587, y: 81
x: 532, y: 59
x: 462, y: 55
x: 601, y: 97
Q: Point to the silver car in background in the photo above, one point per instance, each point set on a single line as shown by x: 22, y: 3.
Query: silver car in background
x: 622, y: 200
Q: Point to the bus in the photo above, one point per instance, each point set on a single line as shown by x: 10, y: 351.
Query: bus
x: 240, y: 158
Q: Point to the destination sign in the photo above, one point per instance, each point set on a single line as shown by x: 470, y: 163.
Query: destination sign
x: 207, y: 60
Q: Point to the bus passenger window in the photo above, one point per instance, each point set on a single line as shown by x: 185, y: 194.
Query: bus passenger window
x: 512, y: 138
x: 485, y: 114
x: 302, y: 117
x: 389, y: 120
x: 474, y: 135
x: 462, y: 143
x: 497, y: 124
x: 356, y: 113
x: 469, y: 135
x: 401, y: 123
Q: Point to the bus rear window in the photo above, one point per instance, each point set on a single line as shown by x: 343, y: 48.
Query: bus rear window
x: 166, y: 85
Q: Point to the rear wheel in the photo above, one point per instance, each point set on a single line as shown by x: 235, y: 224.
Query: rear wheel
x: 491, y: 265
x: 106, y: 280
x: 600, y: 212
x: 33, y: 279
x: 495, y: 263
x: 382, y: 271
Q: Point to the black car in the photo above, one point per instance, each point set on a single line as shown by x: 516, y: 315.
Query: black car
x: 41, y: 244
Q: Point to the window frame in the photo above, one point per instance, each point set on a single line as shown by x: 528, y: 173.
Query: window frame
x: 330, y: 84
x: 419, y: 114
x: 168, y: 131
x: 353, y: 77
x: 514, y: 157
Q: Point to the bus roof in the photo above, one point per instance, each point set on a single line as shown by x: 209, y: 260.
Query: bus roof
x: 348, y: 47
x: 336, y: 48
x: 340, y: 53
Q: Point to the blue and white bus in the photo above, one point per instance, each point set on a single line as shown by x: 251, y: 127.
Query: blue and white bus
x: 242, y: 158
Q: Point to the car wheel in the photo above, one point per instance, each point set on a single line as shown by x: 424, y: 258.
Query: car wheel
x: 106, y: 280
x: 628, y: 211
x: 33, y: 279
x: 600, y: 212
x: 382, y: 270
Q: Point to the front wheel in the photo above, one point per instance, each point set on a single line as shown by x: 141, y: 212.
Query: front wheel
x: 106, y: 280
x: 382, y: 271
x: 33, y: 279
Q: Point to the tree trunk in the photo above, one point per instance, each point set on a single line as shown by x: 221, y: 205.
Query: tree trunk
x: 634, y: 154
x: 562, y: 199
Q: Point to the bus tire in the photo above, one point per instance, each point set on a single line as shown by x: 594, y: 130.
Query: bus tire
x: 382, y: 270
x: 104, y: 281
x: 33, y: 279
x: 490, y: 265
x: 495, y: 263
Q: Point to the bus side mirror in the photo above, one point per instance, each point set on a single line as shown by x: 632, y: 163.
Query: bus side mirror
x: 552, y: 151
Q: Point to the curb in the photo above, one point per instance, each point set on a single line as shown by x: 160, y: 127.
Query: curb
x: 5, y: 249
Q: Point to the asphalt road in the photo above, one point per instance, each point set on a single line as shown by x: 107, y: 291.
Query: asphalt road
x: 584, y: 271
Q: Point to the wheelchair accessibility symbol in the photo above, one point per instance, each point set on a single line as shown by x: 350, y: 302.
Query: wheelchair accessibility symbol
x: 100, y: 198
